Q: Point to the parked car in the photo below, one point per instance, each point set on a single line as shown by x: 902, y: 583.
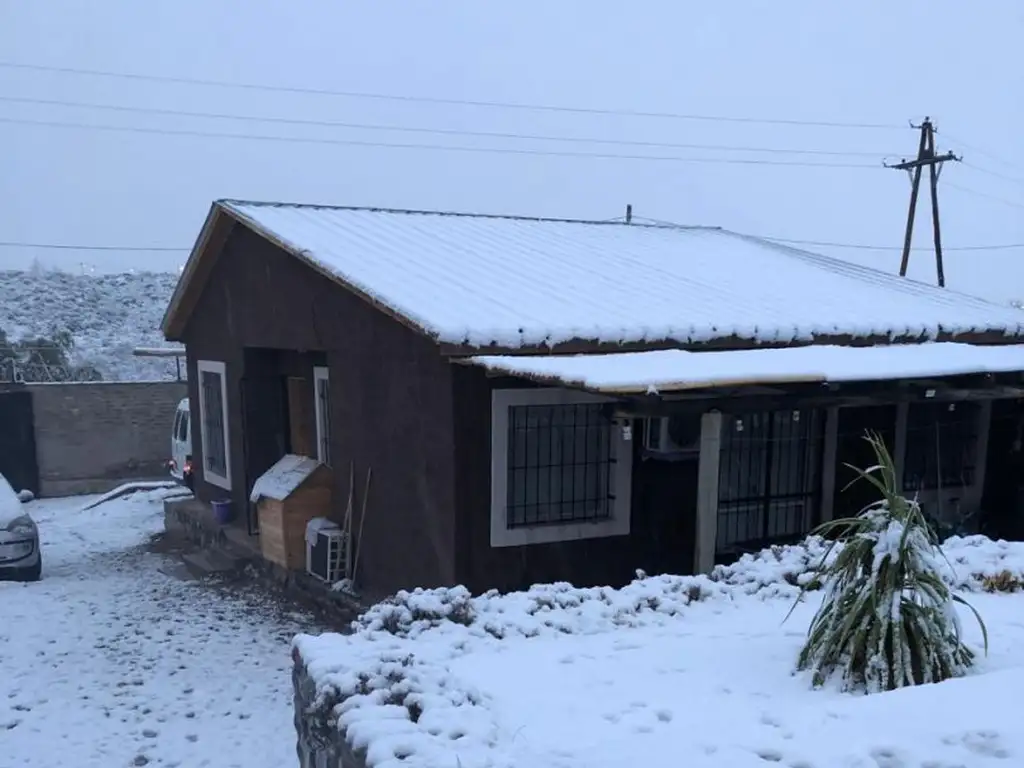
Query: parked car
x: 20, y: 558
x: 180, y: 464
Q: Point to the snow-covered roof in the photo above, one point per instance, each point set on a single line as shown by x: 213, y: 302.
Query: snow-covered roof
x: 675, y: 369
x: 281, y: 480
x: 509, y: 282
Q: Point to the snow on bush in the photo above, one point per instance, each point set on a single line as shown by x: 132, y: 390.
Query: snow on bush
x: 887, y: 618
x: 975, y: 563
x: 544, y: 609
x: 107, y: 316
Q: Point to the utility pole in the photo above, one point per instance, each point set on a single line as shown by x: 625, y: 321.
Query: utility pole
x: 925, y: 157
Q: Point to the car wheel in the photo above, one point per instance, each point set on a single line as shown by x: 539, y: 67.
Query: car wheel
x: 33, y: 572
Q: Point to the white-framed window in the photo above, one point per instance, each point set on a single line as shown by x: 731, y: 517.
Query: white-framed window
x: 213, y: 420
x: 561, y: 468
x: 322, y: 400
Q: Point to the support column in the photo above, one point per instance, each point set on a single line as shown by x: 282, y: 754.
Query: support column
x: 900, y: 447
x: 707, y: 492
x: 828, y: 465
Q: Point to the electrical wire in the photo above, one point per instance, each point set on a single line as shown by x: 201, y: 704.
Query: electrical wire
x: 790, y: 241
x: 864, y: 247
x: 975, y: 148
x: 855, y: 246
x: 448, y: 101
x: 432, y: 147
x: 986, y: 195
x: 74, y: 247
x: 437, y: 131
x: 990, y: 172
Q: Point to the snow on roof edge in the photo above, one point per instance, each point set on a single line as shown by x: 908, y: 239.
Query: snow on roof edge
x: 233, y: 204
x: 679, y: 370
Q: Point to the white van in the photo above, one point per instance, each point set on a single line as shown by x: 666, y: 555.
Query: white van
x: 180, y: 464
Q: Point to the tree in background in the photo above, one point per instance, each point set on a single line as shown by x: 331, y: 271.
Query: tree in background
x: 887, y: 619
x: 42, y: 359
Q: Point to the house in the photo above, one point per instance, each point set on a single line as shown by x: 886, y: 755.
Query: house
x: 544, y: 400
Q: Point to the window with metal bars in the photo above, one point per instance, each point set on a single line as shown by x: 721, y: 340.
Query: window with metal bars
x: 214, y: 439
x: 942, y: 445
x: 559, y: 466
x: 769, y: 477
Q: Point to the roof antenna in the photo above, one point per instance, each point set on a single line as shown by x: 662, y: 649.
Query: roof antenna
x: 629, y: 213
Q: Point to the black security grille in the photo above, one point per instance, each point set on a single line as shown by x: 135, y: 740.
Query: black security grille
x: 942, y: 445
x: 214, y: 453
x: 768, y: 485
x: 559, y: 465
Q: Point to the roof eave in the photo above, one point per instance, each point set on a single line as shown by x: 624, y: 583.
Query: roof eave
x: 584, y: 346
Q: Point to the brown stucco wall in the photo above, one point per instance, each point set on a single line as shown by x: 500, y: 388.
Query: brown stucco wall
x: 391, y: 402
x: 90, y: 437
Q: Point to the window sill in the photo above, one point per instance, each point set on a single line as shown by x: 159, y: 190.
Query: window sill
x: 218, y: 480
x: 502, y: 536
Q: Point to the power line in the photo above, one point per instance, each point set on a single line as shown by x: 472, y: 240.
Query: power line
x: 786, y: 240
x: 854, y: 246
x: 865, y: 247
x: 436, y: 131
x: 73, y: 247
x: 448, y: 101
x: 996, y: 174
x: 431, y: 147
x: 986, y: 195
x: 979, y: 150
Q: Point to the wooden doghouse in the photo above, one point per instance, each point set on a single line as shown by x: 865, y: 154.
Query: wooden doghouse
x: 287, y: 496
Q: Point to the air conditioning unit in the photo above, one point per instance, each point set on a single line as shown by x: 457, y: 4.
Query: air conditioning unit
x: 327, y: 550
x: 673, y: 436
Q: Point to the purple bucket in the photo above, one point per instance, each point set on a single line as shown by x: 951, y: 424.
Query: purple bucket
x: 221, y: 511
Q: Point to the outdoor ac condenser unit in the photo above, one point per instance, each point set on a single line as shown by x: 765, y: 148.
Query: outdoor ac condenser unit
x: 326, y: 550
x: 673, y: 436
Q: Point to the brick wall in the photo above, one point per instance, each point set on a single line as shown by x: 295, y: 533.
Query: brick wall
x: 91, y: 437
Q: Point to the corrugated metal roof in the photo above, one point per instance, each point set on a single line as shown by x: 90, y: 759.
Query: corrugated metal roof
x: 674, y: 370
x: 512, y: 282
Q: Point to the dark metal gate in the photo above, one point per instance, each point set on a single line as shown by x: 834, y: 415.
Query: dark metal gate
x: 769, y: 482
x: 18, y: 441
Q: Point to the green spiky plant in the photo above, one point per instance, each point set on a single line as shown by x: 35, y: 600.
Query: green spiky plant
x: 887, y: 618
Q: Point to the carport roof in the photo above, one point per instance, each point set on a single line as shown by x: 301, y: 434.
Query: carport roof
x: 675, y: 370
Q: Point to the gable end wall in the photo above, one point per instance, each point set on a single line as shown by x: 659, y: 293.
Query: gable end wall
x: 391, y: 403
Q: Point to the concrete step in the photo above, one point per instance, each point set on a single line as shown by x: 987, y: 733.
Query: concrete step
x: 210, y: 562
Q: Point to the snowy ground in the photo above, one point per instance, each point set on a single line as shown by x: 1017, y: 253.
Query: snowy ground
x: 666, y: 672
x: 715, y: 688
x: 107, y: 662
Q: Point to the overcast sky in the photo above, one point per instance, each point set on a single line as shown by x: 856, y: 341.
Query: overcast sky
x: 877, y: 62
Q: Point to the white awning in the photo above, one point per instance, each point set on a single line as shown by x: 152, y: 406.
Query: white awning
x: 677, y: 370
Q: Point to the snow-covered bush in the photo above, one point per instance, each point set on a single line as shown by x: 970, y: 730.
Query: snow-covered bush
x: 888, y: 617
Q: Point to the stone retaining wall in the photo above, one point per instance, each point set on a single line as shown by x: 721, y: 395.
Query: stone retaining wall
x: 319, y: 743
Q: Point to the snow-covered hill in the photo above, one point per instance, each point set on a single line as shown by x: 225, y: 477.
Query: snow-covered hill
x: 107, y: 316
